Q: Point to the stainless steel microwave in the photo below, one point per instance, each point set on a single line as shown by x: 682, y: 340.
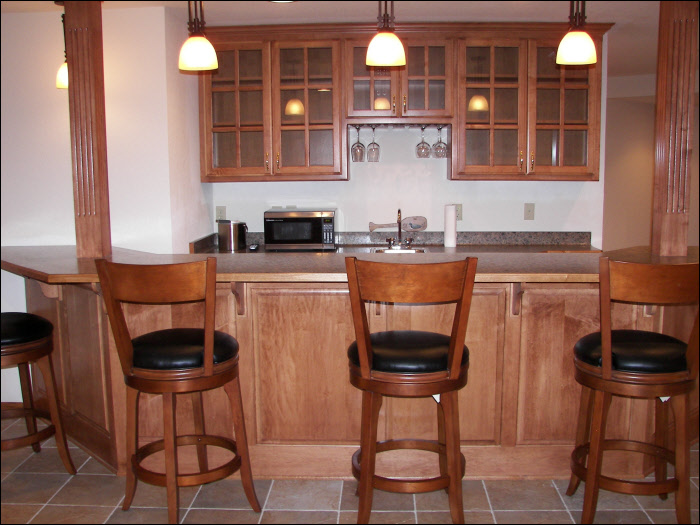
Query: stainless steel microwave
x: 298, y: 229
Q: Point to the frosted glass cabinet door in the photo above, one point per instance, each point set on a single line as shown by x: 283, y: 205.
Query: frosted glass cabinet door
x: 564, y: 124
x: 235, y: 132
x: 492, y: 130
x: 306, y: 104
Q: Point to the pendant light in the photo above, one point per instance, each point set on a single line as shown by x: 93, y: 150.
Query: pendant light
x: 577, y: 47
x: 294, y: 107
x: 62, y: 75
x: 478, y: 103
x: 197, y: 53
x: 385, y: 49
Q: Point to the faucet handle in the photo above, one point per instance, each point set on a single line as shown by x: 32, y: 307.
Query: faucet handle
x: 408, y: 241
x: 391, y: 241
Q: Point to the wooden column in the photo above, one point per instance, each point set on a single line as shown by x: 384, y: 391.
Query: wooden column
x: 86, y: 99
x: 675, y: 84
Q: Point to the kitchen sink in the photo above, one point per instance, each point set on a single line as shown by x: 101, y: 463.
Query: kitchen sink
x: 399, y: 250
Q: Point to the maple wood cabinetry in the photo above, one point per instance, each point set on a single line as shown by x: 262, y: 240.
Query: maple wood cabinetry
x: 523, y: 117
x: 508, y: 111
x: 272, y: 112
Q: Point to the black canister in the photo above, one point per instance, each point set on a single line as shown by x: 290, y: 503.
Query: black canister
x: 232, y: 236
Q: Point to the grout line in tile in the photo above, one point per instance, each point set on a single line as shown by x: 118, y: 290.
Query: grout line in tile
x: 187, y: 510
x: 493, y: 515
x: 340, y: 500
x: 267, y: 497
x: 561, y: 497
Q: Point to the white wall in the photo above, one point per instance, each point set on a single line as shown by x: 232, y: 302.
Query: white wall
x: 420, y: 187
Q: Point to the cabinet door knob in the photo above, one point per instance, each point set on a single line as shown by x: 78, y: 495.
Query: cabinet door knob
x: 522, y: 159
x: 393, y: 104
x: 404, y: 103
x: 532, y: 160
x: 278, y: 160
x: 267, y: 162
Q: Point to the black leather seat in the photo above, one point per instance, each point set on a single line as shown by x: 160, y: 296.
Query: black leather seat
x: 408, y: 352
x: 635, y: 351
x: 180, y: 348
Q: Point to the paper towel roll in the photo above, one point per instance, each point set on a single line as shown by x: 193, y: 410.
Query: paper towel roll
x: 450, y: 226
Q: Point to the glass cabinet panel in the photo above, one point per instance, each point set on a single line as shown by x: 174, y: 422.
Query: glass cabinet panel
x: 492, y: 108
x: 237, y: 110
x: 424, y: 80
x: 306, y: 130
x: 371, y: 90
x: 560, y: 133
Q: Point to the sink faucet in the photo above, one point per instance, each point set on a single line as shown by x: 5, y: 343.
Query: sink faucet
x: 398, y: 220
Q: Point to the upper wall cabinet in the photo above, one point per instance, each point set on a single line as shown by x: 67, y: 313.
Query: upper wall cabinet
x: 279, y: 106
x: 272, y: 112
x: 422, y: 88
x: 523, y: 117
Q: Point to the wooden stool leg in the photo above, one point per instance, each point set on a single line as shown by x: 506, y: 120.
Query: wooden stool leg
x: 198, y: 412
x: 680, y: 414
x: 601, y: 404
x: 233, y: 390
x: 454, y: 464
x: 169, y: 437
x: 132, y: 438
x: 582, y: 427
x: 25, y: 382
x: 371, y: 403
x: 660, y: 430
x: 441, y: 441
x: 45, y: 364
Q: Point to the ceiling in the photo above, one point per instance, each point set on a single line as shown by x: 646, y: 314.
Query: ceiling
x: 632, y: 41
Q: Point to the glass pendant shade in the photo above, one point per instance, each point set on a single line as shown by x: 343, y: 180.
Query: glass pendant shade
x: 386, y: 49
x: 62, y: 76
x: 576, y: 48
x: 478, y: 103
x: 197, y: 54
x: 294, y: 107
x: 382, y: 103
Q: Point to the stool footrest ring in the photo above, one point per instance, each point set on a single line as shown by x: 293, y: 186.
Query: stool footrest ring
x: 193, y: 479
x: 403, y: 485
x: 28, y: 439
x: 645, y: 488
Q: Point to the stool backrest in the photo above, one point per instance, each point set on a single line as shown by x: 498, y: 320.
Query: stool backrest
x: 645, y: 283
x: 449, y: 282
x: 157, y: 284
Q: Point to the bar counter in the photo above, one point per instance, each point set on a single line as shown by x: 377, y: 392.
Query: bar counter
x: 291, y: 315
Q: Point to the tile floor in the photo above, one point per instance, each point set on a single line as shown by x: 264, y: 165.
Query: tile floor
x: 36, y: 489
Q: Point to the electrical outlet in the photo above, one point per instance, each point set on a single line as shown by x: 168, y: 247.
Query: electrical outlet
x: 529, y: 214
x: 221, y: 213
x: 458, y: 207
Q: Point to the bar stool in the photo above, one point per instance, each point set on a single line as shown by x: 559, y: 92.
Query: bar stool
x: 175, y: 361
x: 636, y: 364
x: 28, y: 338
x: 410, y: 364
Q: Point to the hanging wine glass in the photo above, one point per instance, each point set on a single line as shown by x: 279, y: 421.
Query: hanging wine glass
x: 358, y: 149
x: 439, y: 148
x: 423, y: 148
x: 373, y: 150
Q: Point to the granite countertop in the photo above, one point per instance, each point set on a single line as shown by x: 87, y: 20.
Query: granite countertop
x: 59, y: 264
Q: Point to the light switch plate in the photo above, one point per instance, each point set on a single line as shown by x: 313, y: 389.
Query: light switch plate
x: 221, y: 213
x: 458, y: 208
